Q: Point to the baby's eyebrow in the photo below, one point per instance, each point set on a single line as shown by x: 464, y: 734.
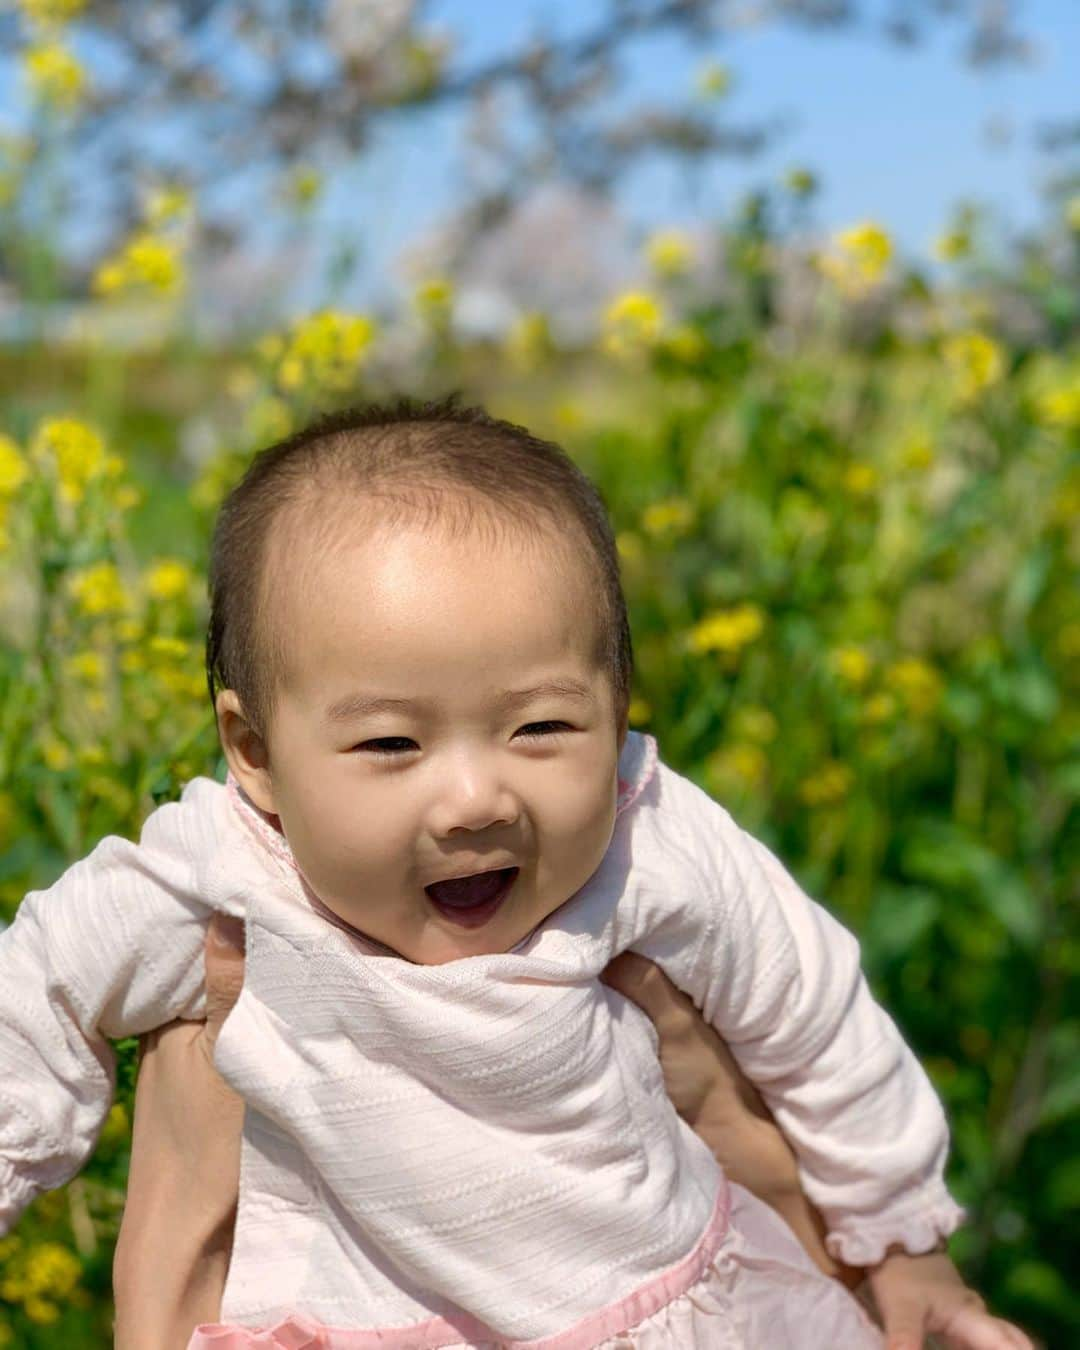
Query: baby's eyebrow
x: 505, y: 700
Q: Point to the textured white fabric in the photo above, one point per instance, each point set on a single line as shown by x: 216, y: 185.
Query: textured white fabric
x: 490, y: 1135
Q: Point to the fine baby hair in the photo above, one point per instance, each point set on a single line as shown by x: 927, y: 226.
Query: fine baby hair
x: 456, y: 1135
x: 436, y: 462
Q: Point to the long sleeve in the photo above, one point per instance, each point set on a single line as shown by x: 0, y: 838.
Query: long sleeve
x: 112, y: 949
x: 780, y: 981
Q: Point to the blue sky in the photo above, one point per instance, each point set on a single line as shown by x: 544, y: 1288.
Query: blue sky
x: 895, y: 134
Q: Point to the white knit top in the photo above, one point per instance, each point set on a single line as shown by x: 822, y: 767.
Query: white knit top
x: 490, y: 1136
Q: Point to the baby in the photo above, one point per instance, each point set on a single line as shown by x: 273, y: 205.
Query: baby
x: 438, y: 832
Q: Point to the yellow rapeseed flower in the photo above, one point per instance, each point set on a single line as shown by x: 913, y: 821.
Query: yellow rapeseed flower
x: 738, y: 766
x: 917, y: 683
x: 639, y: 712
x: 87, y: 666
x: 864, y: 254
x: 8, y: 814
x: 629, y: 545
x: 46, y: 12
x: 434, y: 297
x: 830, y: 784
x: 165, y: 205
x: 800, y: 182
x: 325, y: 348
x: 685, y: 343
x: 1054, y: 407
x: 14, y: 470
x: 952, y: 245
x: 752, y: 722
x: 1072, y: 213
x: 170, y: 648
x: 56, y: 77
x: 672, y: 516
x: 853, y: 664
x: 727, y: 630
x: 713, y: 80
x: 669, y: 252
x: 147, y: 262
x: 304, y: 185
x: 631, y: 323
x: 98, y: 590
x: 167, y: 579
x: 529, y: 342
x: 75, y: 450
x: 860, y: 478
x: 57, y: 757
x: 975, y: 360
x: 917, y: 451
x: 878, y: 708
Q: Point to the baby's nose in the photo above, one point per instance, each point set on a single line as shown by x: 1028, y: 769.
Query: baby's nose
x: 474, y: 796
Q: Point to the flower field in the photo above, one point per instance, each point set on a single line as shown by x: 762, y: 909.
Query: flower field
x: 848, y: 510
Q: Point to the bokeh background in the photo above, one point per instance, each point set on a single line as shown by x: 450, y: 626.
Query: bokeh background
x: 795, y: 280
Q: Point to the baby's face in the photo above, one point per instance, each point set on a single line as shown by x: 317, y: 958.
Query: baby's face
x: 443, y: 774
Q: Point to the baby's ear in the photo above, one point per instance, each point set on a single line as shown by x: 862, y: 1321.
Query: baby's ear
x: 245, y: 751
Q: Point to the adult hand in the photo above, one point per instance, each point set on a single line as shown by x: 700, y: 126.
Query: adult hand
x: 721, y: 1106
x: 176, y: 1236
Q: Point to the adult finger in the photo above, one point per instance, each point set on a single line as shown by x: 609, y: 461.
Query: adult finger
x: 645, y: 984
x: 224, y: 955
x: 974, y: 1329
x: 903, y: 1318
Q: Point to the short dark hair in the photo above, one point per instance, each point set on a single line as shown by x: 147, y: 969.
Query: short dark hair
x: 410, y: 453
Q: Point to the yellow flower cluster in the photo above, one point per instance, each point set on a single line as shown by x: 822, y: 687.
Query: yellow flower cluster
x: 51, y: 12
x: 304, y: 185
x: 672, y: 516
x: 975, y: 361
x: 1055, y: 407
x: 98, y: 590
x: 829, y: 785
x: 713, y: 80
x: 863, y: 255
x: 74, y: 454
x: 325, y: 349
x: 14, y: 472
x: 853, y: 664
x: 166, y: 206
x: 669, y: 252
x: 56, y: 78
x: 39, y: 1277
x: 434, y: 298
x: 917, y: 683
x: 727, y: 630
x: 168, y: 579
x: 529, y: 342
x: 147, y: 262
x: 737, y: 766
x: 952, y: 245
x: 632, y: 322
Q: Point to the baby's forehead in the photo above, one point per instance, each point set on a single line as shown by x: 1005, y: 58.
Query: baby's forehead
x: 316, y: 543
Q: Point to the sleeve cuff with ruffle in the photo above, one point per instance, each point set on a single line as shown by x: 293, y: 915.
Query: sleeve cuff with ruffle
x: 916, y: 1231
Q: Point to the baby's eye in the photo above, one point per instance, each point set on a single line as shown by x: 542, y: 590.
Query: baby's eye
x: 543, y: 728
x: 388, y: 745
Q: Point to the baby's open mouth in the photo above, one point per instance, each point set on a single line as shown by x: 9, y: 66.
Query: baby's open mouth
x: 470, y: 901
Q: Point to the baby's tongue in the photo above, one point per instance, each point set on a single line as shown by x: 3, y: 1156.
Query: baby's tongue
x: 462, y: 892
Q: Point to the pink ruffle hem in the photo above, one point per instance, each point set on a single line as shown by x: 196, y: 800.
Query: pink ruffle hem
x: 747, y: 1284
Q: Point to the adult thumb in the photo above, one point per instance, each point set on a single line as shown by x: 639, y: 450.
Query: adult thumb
x: 224, y: 958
